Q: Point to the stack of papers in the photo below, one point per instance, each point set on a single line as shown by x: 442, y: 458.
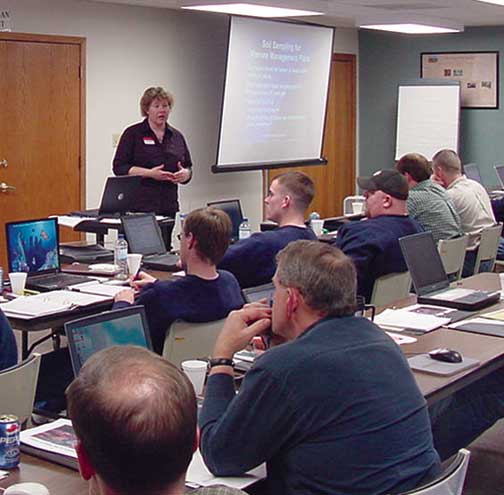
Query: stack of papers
x: 400, y: 319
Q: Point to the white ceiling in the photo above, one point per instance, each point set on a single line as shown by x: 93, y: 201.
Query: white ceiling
x: 352, y: 13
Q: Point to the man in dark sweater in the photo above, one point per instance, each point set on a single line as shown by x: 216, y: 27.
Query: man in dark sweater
x: 204, y: 294
x: 252, y: 260
x: 373, y: 244
x: 333, y: 410
x: 8, y: 348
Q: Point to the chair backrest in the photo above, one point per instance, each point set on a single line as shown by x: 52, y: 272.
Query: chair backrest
x: 353, y: 205
x: 17, y: 388
x: 185, y: 340
x: 487, y: 250
x: 390, y: 288
x: 452, y: 252
x: 450, y: 481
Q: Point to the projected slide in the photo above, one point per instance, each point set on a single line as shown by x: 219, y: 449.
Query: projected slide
x: 275, y: 92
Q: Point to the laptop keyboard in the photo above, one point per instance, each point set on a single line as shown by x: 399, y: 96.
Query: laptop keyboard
x: 60, y: 280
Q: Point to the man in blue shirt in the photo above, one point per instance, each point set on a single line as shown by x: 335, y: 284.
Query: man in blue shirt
x: 204, y: 294
x: 373, y: 244
x: 252, y: 260
x: 335, y: 409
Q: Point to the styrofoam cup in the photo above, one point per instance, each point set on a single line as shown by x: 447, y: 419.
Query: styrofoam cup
x: 317, y: 226
x: 196, y: 372
x: 134, y: 262
x: 18, y: 282
x: 357, y: 207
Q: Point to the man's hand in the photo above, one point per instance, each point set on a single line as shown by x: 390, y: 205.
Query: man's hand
x: 127, y: 295
x: 240, y: 327
x: 141, y: 280
x: 181, y: 175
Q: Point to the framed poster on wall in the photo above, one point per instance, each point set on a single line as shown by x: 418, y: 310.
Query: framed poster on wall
x: 478, y: 73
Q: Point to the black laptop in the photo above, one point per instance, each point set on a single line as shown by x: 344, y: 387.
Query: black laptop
x: 32, y: 247
x: 430, y: 280
x: 117, y: 199
x: 144, y: 237
x: 233, y: 208
x: 94, y: 333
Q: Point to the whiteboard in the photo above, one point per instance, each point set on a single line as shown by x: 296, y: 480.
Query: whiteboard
x: 428, y: 119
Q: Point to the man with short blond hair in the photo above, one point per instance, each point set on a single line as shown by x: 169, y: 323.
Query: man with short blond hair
x: 252, y: 260
x: 333, y: 410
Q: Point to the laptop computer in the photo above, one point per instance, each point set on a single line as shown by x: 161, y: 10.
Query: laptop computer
x: 119, y: 327
x: 144, y: 237
x: 430, y: 280
x: 233, y: 208
x: 32, y: 247
x: 472, y: 171
x: 499, y: 170
x: 255, y: 294
x: 118, y: 197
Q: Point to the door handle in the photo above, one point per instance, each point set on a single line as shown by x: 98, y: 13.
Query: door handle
x: 6, y: 188
x: 4, y: 163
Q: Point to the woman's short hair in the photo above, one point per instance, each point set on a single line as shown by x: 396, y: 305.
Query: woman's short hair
x: 151, y: 94
x: 135, y: 415
x: 211, y: 228
x: 416, y: 165
x: 322, y: 273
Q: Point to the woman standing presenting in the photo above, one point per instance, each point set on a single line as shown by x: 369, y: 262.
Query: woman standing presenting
x: 157, y: 152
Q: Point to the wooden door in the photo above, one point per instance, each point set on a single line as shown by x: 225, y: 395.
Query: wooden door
x: 336, y: 180
x: 41, y: 129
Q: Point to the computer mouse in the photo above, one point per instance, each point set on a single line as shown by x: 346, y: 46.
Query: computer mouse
x: 446, y: 355
x: 28, y: 488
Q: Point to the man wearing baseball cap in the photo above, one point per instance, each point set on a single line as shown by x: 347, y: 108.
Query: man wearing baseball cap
x: 373, y: 243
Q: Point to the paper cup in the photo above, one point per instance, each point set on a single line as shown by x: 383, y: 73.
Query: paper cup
x: 357, y: 207
x: 134, y: 262
x: 18, y: 282
x: 196, y: 372
x: 317, y: 226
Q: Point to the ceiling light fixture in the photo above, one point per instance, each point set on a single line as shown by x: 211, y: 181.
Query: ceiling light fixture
x: 410, y: 28
x: 249, y: 9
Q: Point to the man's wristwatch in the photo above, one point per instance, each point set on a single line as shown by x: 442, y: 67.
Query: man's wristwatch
x: 220, y: 362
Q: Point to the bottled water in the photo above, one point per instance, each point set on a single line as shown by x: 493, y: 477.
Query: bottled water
x: 244, y: 231
x: 121, y: 257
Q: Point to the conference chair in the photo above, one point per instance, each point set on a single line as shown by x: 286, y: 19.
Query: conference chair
x: 390, y: 288
x: 185, y: 340
x: 17, y: 388
x: 489, y: 243
x: 450, y: 481
x: 353, y: 205
x: 452, y: 252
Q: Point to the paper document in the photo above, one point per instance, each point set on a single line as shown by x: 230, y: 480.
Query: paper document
x: 401, y: 339
x: 402, y: 318
x: 495, y: 315
x: 57, y: 437
x: 68, y: 221
x: 106, y: 290
x: 480, y: 320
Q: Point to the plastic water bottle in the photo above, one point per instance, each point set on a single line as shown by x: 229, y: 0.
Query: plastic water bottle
x: 244, y: 232
x: 121, y: 257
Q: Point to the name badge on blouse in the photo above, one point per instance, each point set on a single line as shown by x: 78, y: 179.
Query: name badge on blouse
x: 148, y: 140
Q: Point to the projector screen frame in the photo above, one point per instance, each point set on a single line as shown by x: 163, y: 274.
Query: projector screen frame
x: 321, y: 160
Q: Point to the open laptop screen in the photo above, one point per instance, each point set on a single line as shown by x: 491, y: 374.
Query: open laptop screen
x: 233, y: 208
x: 32, y: 246
x: 143, y: 234
x: 471, y: 171
x: 424, y: 263
x: 92, y: 334
x: 499, y: 170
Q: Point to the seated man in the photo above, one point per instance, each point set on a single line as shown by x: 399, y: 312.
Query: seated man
x: 428, y: 202
x: 134, y: 415
x: 373, y: 244
x: 470, y: 200
x: 204, y: 294
x: 8, y: 348
x: 252, y: 260
x: 335, y: 409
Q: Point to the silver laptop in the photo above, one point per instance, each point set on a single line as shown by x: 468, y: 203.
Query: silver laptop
x: 144, y: 237
x: 472, y: 171
x: 499, y: 170
x: 430, y: 280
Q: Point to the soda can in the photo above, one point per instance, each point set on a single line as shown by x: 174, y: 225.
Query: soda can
x: 9, y: 441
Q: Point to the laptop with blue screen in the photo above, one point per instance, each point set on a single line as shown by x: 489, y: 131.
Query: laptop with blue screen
x: 92, y: 334
x: 33, y: 247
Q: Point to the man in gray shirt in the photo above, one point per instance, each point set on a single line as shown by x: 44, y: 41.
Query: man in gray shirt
x: 428, y: 203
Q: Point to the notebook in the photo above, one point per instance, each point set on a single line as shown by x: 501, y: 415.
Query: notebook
x: 233, y: 208
x: 144, y: 237
x: 429, y: 277
x: 94, y: 333
x: 118, y: 197
x: 32, y: 247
